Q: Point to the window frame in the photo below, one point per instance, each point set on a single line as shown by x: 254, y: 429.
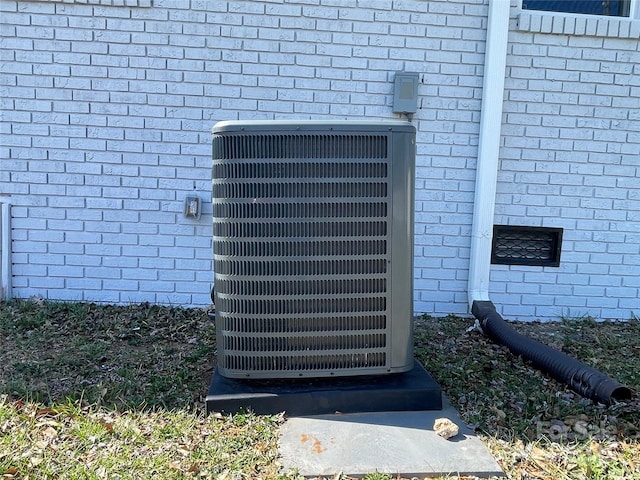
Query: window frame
x: 630, y: 3
x: 540, y: 21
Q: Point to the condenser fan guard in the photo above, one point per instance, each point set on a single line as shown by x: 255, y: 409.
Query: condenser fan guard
x: 312, y: 240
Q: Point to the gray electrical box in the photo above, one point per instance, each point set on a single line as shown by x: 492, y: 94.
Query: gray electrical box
x: 405, y: 92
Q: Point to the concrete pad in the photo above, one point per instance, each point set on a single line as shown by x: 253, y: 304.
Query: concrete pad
x: 398, y: 443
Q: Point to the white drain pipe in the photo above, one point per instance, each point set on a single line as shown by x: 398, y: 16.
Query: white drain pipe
x: 583, y: 379
x: 5, y: 251
x: 488, y: 150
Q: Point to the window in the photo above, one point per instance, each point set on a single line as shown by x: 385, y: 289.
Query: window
x: 614, y: 8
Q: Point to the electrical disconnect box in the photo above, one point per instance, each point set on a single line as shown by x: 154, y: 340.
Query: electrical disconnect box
x: 405, y: 92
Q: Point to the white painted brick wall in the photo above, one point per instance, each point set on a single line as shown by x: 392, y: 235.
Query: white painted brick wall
x: 571, y: 159
x: 104, y: 133
x: 107, y: 112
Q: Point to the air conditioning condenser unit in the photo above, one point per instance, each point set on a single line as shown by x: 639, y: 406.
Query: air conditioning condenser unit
x: 313, y: 248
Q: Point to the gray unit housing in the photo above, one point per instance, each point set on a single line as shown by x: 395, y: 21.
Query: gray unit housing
x: 313, y: 247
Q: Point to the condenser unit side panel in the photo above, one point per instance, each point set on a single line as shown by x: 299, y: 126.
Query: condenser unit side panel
x: 402, y: 232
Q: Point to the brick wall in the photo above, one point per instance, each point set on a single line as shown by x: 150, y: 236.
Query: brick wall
x: 107, y: 113
x: 571, y: 159
x: 112, y: 107
x: 108, y: 110
x: 329, y: 59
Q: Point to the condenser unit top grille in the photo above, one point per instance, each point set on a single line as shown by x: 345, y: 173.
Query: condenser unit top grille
x: 312, y: 126
x: 300, y: 146
x: 302, y: 140
x: 312, y: 220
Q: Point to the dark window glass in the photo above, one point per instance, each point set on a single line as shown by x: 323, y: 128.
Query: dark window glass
x: 615, y: 8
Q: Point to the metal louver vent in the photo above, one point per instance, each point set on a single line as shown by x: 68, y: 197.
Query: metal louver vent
x: 291, y: 343
x: 299, y: 210
x: 300, y: 145
x: 312, y: 242
x: 519, y: 245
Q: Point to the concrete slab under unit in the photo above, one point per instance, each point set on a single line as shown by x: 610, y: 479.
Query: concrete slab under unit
x: 398, y: 443
x: 412, y: 390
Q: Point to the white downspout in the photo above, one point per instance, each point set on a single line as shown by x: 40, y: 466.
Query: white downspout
x: 634, y: 10
x: 488, y: 150
x: 5, y: 251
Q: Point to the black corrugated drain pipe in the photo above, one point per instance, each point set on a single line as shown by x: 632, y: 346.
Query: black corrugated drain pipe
x: 586, y: 381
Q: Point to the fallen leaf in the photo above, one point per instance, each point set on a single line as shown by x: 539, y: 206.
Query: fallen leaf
x: 50, y: 433
x: 42, y: 444
x: 45, y: 412
x: 262, y: 447
x: 501, y: 415
x: 184, y: 451
x: 537, y: 453
x: 107, y: 424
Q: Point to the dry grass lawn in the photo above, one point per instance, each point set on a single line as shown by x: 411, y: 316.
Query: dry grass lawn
x: 116, y: 392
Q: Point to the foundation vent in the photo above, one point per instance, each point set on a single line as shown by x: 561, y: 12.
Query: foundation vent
x: 517, y: 245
